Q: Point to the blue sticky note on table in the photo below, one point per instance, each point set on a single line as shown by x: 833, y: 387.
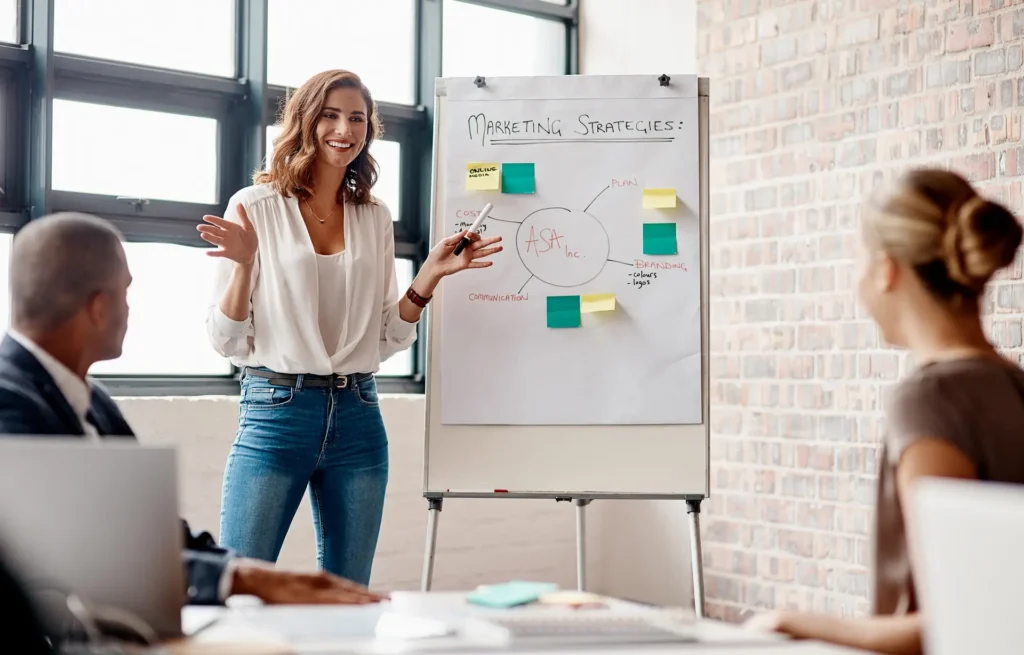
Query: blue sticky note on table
x: 517, y: 178
x: 660, y: 239
x: 564, y: 312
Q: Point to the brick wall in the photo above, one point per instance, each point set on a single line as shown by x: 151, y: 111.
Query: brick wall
x: 815, y: 103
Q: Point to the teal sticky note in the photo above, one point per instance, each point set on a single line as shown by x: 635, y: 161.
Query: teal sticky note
x: 510, y: 594
x: 517, y: 178
x: 564, y: 312
x: 660, y: 239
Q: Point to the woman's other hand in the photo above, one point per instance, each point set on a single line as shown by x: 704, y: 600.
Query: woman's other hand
x: 234, y: 241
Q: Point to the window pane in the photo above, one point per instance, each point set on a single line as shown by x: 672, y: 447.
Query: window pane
x: 169, y: 296
x: 400, y: 363
x: 516, y: 44
x: 130, y: 152
x: 189, y: 35
x: 375, y: 40
x: 389, y: 160
x: 9, y: 21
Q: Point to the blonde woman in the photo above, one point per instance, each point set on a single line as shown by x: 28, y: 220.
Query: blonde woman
x: 930, y: 249
x: 307, y: 304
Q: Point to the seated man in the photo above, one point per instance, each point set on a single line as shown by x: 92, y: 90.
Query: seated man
x: 69, y: 309
x: 20, y: 621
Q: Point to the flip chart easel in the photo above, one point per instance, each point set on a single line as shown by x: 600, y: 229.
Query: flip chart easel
x: 625, y: 413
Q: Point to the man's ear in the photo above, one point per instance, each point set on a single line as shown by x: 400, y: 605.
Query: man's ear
x: 98, y: 307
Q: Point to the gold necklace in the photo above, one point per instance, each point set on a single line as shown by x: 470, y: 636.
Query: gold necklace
x: 310, y: 208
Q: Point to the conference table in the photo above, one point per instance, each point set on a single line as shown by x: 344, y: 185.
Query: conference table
x: 291, y: 630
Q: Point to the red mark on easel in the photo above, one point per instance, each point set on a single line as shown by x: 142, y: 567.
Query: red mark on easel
x: 501, y: 491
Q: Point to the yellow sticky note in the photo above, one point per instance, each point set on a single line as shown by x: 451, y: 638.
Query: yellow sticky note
x: 597, y: 302
x: 483, y: 177
x: 659, y: 198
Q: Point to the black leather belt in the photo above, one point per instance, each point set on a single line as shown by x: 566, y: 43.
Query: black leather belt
x: 289, y: 380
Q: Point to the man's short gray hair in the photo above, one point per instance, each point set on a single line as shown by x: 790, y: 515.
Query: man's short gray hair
x: 58, y: 263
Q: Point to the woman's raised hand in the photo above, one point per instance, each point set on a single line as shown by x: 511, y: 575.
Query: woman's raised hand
x: 234, y: 241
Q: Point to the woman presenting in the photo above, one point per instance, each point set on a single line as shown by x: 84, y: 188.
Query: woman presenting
x: 308, y: 306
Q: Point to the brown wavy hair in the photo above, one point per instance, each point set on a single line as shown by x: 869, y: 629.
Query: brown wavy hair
x: 290, y: 171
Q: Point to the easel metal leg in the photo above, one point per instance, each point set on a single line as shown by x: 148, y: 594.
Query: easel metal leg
x: 696, y: 557
x: 434, y: 513
x: 581, y: 543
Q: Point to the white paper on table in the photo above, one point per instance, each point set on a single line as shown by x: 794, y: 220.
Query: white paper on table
x: 640, y: 364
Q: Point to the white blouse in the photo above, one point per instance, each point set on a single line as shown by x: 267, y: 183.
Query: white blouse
x: 311, y: 313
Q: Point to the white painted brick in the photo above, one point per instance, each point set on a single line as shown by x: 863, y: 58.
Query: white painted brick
x: 635, y: 548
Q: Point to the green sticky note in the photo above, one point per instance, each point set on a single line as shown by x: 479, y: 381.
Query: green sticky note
x: 564, y: 312
x: 517, y: 178
x: 660, y: 239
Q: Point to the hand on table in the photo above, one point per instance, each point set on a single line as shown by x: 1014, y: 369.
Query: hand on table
x: 765, y: 622
x: 275, y: 587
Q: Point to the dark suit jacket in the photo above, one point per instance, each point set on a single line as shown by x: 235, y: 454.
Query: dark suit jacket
x: 31, y: 404
x: 21, y: 623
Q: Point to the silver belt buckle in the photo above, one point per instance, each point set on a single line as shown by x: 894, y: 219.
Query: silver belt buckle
x: 342, y: 382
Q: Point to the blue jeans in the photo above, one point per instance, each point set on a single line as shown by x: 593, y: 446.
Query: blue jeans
x: 327, y: 439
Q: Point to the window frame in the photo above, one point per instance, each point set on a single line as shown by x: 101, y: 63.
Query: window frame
x: 33, y: 75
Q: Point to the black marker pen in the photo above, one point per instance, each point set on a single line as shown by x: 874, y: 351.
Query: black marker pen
x: 472, y: 230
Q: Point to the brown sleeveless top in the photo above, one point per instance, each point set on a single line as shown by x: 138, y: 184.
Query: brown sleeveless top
x: 977, y: 404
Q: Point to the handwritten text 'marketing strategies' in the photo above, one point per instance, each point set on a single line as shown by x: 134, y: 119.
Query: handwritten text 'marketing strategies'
x: 481, y: 127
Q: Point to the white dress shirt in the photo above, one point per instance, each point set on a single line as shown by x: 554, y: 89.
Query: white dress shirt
x: 331, y: 279
x: 307, y: 313
x: 76, y: 391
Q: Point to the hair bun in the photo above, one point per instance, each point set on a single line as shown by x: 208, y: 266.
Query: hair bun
x: 981, y: 238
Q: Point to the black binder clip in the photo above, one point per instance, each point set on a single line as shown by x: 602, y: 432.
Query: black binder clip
x: 480, y: 82
x: 663, y: 79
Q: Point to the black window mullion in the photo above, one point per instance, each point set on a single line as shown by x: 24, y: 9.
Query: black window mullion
x: 132, y: 75
x: 24, y: 21
x: 572, y: 40
x: 536, y: 8
x: 139, y: 87
x: 13, y: 55
x: 40, y: 105
x: 160, y: 220
x: 429, y: 50
x: 429, y: 41
x: 143, y: 96
x: 11, y: 176
x: 252, y: 67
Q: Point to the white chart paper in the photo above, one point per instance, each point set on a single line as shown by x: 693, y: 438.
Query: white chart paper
x: 596, y: 144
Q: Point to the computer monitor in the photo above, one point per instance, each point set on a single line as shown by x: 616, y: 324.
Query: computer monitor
x: 99, y: 520
x: 966, y: 538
